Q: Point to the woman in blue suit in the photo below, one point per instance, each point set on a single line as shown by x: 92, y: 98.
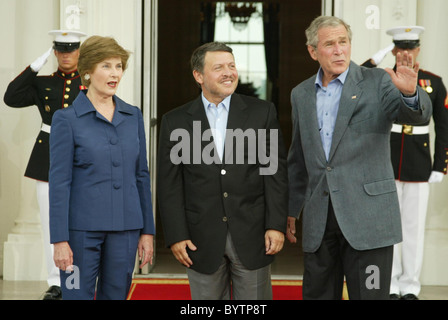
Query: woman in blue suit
x: 100, y: 198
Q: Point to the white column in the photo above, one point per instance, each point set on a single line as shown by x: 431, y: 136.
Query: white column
x: 369, y: 20
x: 432, y: 16
x: 23, y: 255
x: 120, y: 19
x: 149, y: 91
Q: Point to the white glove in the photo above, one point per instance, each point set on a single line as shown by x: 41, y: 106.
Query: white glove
x: 41, y: 61
x: 436, y: 177
x: 379, y: 56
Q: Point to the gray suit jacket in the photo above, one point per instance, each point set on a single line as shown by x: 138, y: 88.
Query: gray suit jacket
x: 358, y: 176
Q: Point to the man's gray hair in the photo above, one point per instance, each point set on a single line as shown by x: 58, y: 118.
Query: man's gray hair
x: 322, y: 22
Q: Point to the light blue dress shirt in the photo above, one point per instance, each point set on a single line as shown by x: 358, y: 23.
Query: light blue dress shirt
x: 217, y: 118
x: 327, y: 103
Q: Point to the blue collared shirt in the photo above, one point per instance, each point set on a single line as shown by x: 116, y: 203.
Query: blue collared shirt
x: 327, y: 102
x: 217, y: 116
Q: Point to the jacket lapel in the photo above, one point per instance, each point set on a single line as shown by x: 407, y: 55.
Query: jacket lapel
x: 310, y: 122
x: 197, y: 113
x: 121, y: 110
x: 237, y: 113
x: 236, y: 120
x: 350, y: 96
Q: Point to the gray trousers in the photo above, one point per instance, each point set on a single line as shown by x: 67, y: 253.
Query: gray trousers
x: 231, y: 281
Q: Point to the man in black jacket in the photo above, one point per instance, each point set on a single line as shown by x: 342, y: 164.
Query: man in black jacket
x: 223, y: 206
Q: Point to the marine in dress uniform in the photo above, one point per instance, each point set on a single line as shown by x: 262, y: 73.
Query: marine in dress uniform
x: 49, y: 93
x: 414, y: 167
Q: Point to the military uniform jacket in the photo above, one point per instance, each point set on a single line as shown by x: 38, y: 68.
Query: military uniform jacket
x: 411, y: 154
x: 48, y: 93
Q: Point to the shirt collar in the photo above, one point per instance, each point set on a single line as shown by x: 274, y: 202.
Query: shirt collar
x: 83, y: 105
x: 68, y: 76
x: 225, y: 103
x: 341, y: 77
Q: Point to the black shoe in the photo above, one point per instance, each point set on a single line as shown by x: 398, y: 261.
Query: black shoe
x: 394, y: 297
x: 409, y: 296
x: 53, y: 293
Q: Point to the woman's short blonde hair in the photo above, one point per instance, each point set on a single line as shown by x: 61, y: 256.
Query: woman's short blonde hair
x: 95, y: 50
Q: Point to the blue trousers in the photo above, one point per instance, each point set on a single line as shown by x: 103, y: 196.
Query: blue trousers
x: 103, y: 265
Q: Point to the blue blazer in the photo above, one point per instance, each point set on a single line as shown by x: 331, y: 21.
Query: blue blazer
x: 99, y: 178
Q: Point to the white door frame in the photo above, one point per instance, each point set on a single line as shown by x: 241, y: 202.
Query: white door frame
x: 149, y: 93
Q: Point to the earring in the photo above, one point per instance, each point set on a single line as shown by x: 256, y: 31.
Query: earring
x: 87, y: 76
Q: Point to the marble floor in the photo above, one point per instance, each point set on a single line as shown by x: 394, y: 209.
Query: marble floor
x: 287, y: 266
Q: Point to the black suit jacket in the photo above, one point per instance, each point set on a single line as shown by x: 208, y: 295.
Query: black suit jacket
x: 202, y: 202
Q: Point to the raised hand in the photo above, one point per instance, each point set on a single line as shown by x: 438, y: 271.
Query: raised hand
x: 406, y: 75
x: 41, y: 61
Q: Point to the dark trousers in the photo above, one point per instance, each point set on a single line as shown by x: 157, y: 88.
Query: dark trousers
x: 104, y: 263
x: 367, y: 273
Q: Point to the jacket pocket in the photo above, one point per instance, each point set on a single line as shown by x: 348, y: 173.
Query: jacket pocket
x: 380, y: 187
x: 82, y: 158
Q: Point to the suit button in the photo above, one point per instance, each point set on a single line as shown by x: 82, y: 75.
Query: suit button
x: 113, y: 141
x: 325, y: 193
x: 117, y: 186
x: 224, y: 219
x: 329, y: 169
x: 226, y: 195
x: 223, y: 172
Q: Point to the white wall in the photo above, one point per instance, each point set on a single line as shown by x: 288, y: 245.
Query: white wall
x: 118, y: 19
x: 21, y: 30
x: 432, y: 15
